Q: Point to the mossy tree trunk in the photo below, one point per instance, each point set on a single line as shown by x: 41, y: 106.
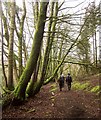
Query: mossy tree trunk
x: 32, y: 62
x: 2, y: 39
x: 36, y: 13
x: 20, y: 37
x: 15, y: 69
x: 24, y: 47
x: 36, y: 70
x: 10, y: 54
x: 34, y: 78
x: 6, y: 36
x: 48, y: 47
x: 60, y: 56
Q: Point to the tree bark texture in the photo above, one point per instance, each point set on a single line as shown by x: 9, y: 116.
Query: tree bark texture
x: 32, y: 62
x: 3, y: 68
x: 10, y: 54
x: 48, y: 48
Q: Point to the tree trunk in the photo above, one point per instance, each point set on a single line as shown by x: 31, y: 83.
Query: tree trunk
x: 3, y: 67
x: 95, y: 50
x: 34, y: 78
x: 5, y: 28
x: 48, y: 48
x: 32, y: 62
x: 36, y: 13
x: 20, y: 37
x: 36, y: 70
x: 60, y: 57
x: 15, y: 71
x: 10, y: 54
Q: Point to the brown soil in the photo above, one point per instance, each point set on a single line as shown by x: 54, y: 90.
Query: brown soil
x: 64, y: 104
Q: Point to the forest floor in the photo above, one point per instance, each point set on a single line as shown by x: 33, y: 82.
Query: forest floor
x: 64, y: 104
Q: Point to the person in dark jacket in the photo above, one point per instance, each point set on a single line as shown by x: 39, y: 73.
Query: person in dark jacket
x: 61, y: 82
x: 68, y: 81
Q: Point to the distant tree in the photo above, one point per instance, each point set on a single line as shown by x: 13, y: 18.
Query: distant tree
x: 84, y: 46
x: 63, y: 58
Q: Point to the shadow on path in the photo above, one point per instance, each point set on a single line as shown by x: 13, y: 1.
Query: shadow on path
x: 77, y: 112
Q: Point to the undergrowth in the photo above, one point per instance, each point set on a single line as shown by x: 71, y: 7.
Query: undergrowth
x: 53, y: 87
x: 96, y: 89
x: 87, y: 87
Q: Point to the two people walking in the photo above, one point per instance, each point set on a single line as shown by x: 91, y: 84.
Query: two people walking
x: 68, y: 81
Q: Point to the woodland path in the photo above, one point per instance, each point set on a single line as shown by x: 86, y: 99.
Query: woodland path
x: 64, y: 104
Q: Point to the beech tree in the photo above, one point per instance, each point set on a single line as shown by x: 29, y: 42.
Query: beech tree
x: 83, y: 46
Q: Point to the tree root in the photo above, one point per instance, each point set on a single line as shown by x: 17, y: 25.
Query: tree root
x: 10, y: 99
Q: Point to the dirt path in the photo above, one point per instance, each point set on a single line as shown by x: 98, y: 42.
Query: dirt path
x: 64, y: 104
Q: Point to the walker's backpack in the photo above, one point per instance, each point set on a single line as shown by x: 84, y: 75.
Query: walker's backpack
x: 68, y: 79
x: 62, y: 79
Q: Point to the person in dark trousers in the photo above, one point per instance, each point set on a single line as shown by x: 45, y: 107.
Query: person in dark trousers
x: 61, y: 82
x: 68, y: 81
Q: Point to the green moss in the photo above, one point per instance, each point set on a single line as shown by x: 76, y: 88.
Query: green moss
x: 96, y: 89
x: 80, y: 86
x: 10, y: 88
x: 1, y: 102
x: 53, y: 87
x: 76, y: 85
x: 86, y: 86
